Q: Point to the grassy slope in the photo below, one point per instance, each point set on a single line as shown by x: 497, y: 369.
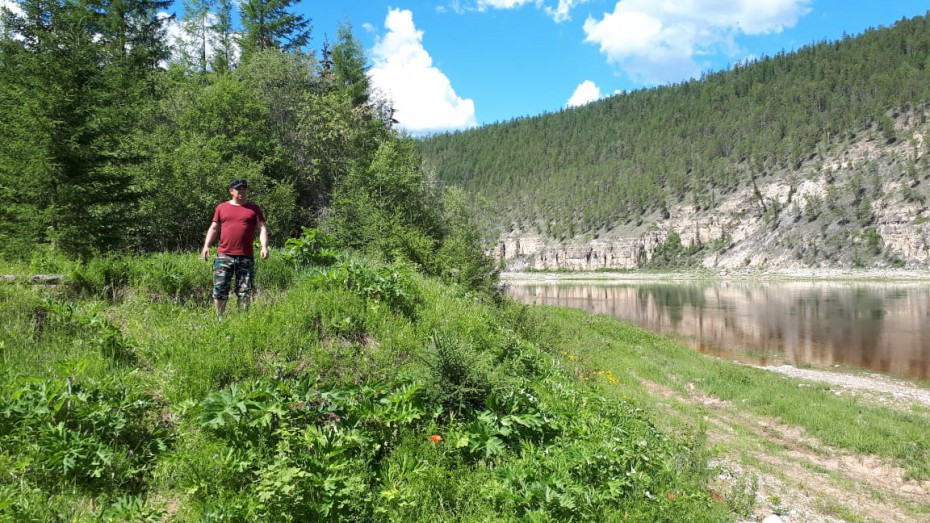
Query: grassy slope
x: 632, y: 355
x: 129, y: 401
x: 320, y: 403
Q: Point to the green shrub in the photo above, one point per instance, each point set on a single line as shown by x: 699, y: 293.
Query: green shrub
x: 308, y: 453
x: 389, y: 284
x: 313, y: 248
x: 102, y: 435
x: 461, y: 379
x: 102, y: 277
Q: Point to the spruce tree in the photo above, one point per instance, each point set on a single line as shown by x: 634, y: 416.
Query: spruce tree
x: 72, y: 75
x: 270, y: 24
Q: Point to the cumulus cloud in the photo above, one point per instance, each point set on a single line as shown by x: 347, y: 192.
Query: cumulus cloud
x: 659, y: 42
x: 587, y: 91
x: 422, y: 94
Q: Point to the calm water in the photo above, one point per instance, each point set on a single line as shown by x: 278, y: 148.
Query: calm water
x: 884, y: 327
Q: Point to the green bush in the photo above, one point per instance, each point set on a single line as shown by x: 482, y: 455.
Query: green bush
x: 101, y: 435
x: 389, y: 284
x: 313, y: 248
x: 461, y: 378
x: 102, y: 277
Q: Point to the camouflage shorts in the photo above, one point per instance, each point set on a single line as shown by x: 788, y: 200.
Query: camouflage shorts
x: 225, y: 267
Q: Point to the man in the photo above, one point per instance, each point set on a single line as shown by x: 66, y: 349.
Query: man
x: 236, y: 221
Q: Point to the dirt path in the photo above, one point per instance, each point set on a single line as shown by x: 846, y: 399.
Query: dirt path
x: 772, y: 472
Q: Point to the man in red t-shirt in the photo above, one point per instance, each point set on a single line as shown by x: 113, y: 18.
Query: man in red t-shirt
x: 236, y: 221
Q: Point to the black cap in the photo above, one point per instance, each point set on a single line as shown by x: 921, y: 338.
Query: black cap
x: 238, y: 183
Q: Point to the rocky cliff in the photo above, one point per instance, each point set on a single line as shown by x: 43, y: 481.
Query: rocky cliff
x: 865, y: 206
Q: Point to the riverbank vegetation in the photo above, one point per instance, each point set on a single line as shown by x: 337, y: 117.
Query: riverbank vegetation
x: 359, y: 390
x: 353, y: 391
x: 635, y: 356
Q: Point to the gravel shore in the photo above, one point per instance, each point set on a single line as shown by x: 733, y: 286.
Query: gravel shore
x: 887, y: 389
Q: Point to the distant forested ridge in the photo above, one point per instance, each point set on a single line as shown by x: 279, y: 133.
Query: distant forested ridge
x: 732, y: 148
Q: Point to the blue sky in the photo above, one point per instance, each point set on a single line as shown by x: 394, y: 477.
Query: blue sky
x: 454, y: 64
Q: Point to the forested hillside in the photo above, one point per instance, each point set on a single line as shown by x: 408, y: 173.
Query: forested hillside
x: 117, y: 138
x: 787, y: 157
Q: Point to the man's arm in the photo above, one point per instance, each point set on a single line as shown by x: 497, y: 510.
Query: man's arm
x: 263, y: 239
x: 211, y: 235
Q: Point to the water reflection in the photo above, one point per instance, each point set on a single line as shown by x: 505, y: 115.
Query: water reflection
x: 883, y: 327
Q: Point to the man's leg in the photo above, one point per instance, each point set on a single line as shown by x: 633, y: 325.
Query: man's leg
x: 222, y: 277
x: 220, y: 306
x: 245, y: 271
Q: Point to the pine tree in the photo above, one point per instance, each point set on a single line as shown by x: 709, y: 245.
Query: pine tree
x: 199, y: 26
x: 269, y: 24
x: 225, y: 54
x: 349, y: 67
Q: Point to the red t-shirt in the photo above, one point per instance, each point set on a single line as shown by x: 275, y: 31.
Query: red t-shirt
x: 237, y: 227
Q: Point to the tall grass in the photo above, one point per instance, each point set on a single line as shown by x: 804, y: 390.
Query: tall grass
x: 360, y: 392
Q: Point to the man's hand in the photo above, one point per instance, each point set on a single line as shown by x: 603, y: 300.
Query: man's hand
x: 264, y: 253
x: 208, y: 241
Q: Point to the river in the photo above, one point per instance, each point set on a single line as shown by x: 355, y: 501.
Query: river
x: 883, y: 327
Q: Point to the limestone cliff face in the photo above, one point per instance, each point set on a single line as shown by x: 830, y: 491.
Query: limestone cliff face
x: 812, y: 217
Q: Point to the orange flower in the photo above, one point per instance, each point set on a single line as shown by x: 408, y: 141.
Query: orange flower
x: 435, y: 438
x: 670, y: 495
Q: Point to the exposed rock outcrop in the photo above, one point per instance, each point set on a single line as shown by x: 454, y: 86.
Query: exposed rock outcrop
x: 827, y: 214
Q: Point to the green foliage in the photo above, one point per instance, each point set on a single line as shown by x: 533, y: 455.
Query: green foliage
x: 73, y: 82
x: 742, y: 496
x: 100, y: 435
x: 165, y: 276
x: 104, y: 152
x: 320, y: 402
x: 461, y: 377
x: 389, y: 284
x: 313, y: 248
x: 873, y: 240
x: 349, y: 67
x: 308, y: 453
x: 98, y: 333
x: 269, y: 24
x: 671, y: 253
x: 461, y: 256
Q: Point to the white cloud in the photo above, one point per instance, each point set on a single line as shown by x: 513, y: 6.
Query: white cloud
x: 586, y: 92
x: 661, y: 41
x: 502, y: 4
x: 12, y: 6
x: 421, y: 93
x: 562, y: 12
